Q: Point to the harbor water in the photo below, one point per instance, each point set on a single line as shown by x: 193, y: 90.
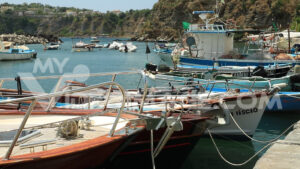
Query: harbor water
x: 63, y: 61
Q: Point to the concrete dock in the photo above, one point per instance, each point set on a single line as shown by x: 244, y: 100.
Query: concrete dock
x: 283, y: 154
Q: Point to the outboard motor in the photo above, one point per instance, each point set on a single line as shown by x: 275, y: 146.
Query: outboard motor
x: 260, y: 71
x: 151, y: 67
x: 163, y: 68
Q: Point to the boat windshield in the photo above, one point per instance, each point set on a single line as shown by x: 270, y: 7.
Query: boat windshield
x: 14, y: 50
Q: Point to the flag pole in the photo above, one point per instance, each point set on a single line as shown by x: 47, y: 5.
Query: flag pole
x: 147, y: 51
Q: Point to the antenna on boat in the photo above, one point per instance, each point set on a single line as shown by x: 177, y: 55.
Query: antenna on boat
x: 218, y: 2
x: 203, y: 15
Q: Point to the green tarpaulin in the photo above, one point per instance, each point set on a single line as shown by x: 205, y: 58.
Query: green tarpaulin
x: 185, y: 25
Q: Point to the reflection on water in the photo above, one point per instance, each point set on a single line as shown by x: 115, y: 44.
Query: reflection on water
x: 205, y: 155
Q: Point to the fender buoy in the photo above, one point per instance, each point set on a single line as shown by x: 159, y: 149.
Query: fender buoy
x: 271, y: 50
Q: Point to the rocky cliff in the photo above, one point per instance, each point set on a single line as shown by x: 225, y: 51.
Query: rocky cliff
x: 168, y: 15
x: 164, y: 21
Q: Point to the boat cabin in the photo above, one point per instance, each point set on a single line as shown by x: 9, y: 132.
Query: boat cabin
x: 209, y: 40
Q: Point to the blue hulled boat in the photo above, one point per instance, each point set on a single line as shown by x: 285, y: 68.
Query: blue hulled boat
x: 212, y: 44
x: 234, y: 62
x: 17, y: 54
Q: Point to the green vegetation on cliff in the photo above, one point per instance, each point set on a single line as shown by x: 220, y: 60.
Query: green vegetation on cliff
x: 163, y: 21
x: 19, y: 25
x: 36, y: 18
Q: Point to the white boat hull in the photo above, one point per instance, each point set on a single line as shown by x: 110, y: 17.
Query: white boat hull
x: 8, y: 56
x: 246, y: 109
x: 247, y: 117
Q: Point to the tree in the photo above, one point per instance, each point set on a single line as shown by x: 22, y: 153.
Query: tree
x: 8, y: 12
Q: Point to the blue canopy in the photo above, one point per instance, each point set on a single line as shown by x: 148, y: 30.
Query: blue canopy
x: 203, y: 12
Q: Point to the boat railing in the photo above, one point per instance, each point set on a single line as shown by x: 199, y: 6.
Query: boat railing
x: 34, y: 99
x: 61, y: 77
x: 212, y: 84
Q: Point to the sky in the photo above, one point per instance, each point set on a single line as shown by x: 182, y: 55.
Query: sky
x: 97, y: 5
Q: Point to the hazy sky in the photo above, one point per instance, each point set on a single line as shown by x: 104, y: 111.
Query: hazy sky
x: 98, y: 5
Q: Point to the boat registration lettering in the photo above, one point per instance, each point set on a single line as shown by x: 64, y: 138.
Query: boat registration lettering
x: 245, y: 111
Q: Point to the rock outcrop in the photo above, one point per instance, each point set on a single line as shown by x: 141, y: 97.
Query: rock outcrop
x: 28, y: 39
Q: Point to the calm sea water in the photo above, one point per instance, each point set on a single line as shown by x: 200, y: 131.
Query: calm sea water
x: 64, y: 61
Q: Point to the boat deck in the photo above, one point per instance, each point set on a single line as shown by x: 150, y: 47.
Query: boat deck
x: 101, y: 126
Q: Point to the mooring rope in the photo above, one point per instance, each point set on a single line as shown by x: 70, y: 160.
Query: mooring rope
x: 260, y: 141
x: 236, y: 164
x: 252, y: 157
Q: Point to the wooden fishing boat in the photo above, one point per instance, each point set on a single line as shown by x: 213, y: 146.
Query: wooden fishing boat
x: 17, y: 54
x: 178, y: 147
x: 286, y: 100
x: 209, y: 72
x: 211, y: 44
x: 61, y: 138
x: 92, y: 148
x: 184, y: 141
x: 223, y: 80
x: 234, y: 62
x: 271, y: 71
x: 194, y: 97
x: 180, y: 143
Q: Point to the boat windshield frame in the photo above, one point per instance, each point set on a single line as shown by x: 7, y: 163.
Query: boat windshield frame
x: 206, y: 27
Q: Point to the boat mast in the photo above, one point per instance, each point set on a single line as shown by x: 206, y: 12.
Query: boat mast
x: 289, y: 38
x: 217, y: 15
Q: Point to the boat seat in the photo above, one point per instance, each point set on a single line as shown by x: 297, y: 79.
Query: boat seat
x: 42, y: 143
